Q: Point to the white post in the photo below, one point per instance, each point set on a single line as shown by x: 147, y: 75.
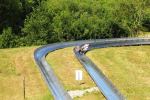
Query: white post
x: 78, y: 75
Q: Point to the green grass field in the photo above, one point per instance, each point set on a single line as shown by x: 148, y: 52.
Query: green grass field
x: 16, y: 66
x: 18, y: 63
x: 127, y: 67
x: 64, y: 64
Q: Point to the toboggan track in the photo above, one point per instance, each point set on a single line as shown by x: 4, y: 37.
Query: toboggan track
x: 106, y: 87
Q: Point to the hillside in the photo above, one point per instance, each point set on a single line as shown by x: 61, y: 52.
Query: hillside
x: 128, y: 70
x: 127, y: 67
x: 19, y: 74
x: 64, y: 64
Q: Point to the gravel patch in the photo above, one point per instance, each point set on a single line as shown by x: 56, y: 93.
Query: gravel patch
x: 80, y: 93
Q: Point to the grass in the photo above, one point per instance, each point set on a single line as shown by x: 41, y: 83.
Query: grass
x: 127, y: 67
x: 18, y: 65
x: 91, y: 96
x: 144, y: 34
x: 64, y: 64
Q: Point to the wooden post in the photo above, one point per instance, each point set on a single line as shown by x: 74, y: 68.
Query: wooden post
x: 24, y: 88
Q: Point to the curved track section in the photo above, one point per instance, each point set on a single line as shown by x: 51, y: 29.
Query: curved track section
x: 52, y: 81
x: 104, y: 84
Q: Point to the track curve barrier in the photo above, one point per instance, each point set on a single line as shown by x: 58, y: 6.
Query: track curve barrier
x: 105, y: 86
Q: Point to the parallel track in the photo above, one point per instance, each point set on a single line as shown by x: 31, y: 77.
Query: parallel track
x: 103, y: 83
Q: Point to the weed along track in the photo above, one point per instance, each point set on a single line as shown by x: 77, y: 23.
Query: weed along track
x: 103, y: 83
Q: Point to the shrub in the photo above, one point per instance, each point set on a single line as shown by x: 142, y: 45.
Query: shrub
x: 129, y: 15
x: 36, y: 28
x: 63, y: 20
x: 7, y: 40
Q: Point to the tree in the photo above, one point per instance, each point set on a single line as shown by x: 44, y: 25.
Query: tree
x: 10, y: 11
x: 36, y: 28
x: 129, y: 15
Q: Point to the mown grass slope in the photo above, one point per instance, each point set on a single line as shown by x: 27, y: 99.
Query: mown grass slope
x: 127, y: 67
x: 18, y: 73
x: 64, y: 64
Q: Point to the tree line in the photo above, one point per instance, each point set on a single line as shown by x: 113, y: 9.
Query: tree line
x: 39, y: 22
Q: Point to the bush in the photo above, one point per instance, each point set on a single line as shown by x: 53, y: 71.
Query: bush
x: 64, y: 20
x: 129, y: 15
x: 7, y: 40
x: 36, y: 28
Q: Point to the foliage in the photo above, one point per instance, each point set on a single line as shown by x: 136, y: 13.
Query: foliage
x: 14, y: 12
x: 37, y: 28
x: 130, y: 14
x: 72, y: 20
x: 38, y: 22
x: 7, y: 40
x: 9, y: 14
x: 146, y: 21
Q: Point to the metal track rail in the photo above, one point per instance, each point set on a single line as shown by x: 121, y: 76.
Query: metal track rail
x: 52, y: 81
x: 104, y: 84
